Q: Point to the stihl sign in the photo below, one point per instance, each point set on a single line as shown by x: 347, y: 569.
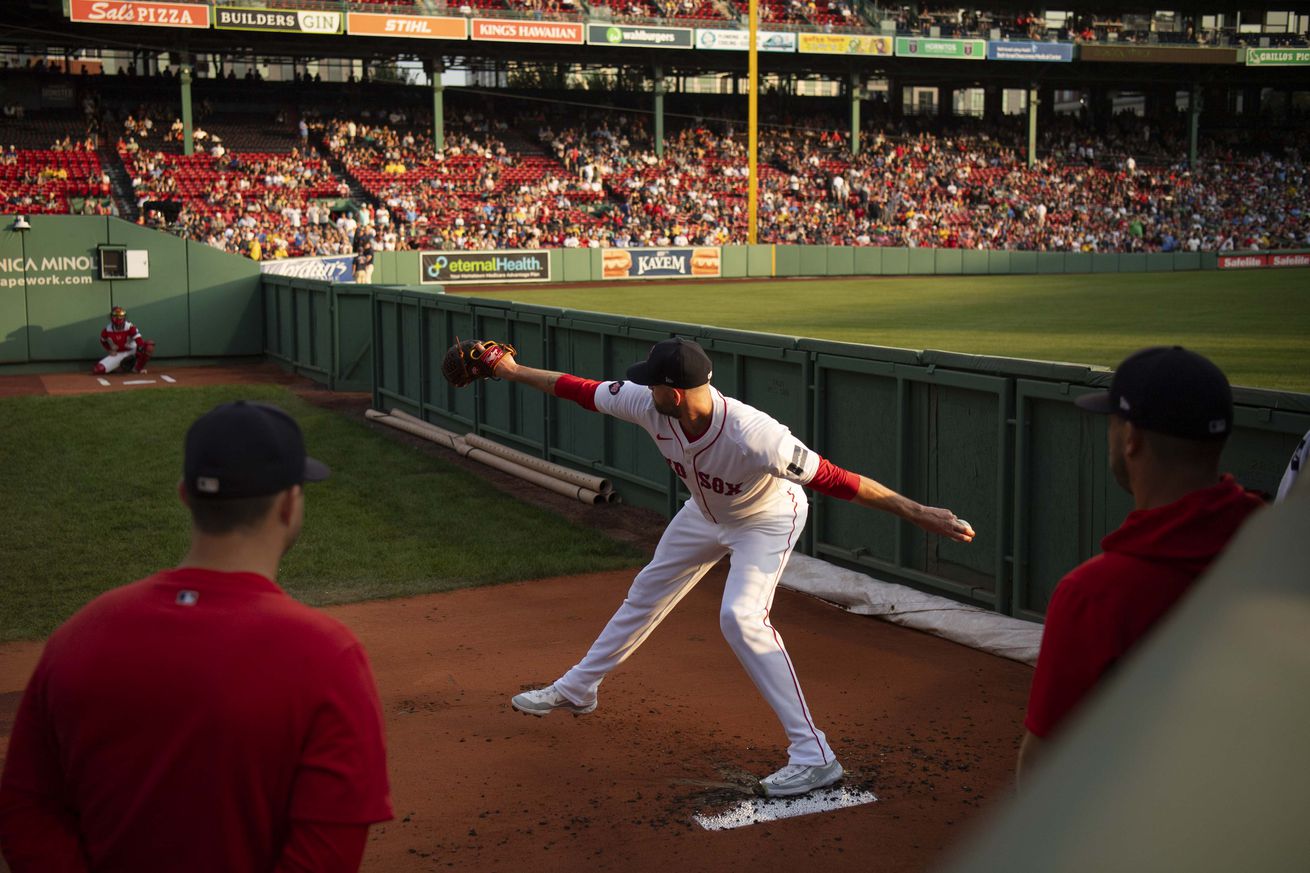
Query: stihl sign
x: 1249, y: 262
x: 139, y: 12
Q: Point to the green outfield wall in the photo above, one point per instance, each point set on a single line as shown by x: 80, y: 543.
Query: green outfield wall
x: 997, y: 440
x: 196, y: 302
x: 321, y: 331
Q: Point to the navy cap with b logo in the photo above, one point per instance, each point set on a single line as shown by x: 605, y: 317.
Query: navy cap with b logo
x: 246, y: 449
x: 1170, y: 390
x: 677, y: 363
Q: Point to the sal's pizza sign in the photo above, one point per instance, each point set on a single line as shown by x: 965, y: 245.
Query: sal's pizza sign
x: 139, y: 12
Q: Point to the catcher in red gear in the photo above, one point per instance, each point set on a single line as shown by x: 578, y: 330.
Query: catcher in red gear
x: 127, y: 349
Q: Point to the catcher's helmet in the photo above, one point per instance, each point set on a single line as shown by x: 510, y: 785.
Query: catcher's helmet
x: 117, y: 316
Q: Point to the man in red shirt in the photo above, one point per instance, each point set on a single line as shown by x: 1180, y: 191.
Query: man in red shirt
x: 200, y: 719
x: 1171, y: 411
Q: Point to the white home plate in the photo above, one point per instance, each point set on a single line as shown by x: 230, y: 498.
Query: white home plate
x: 168, y: 378
x: 762, y: 809
x: 104, y: 382
x: 139, y: 382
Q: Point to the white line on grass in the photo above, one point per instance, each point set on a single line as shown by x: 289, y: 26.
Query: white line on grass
x: 760, y: 809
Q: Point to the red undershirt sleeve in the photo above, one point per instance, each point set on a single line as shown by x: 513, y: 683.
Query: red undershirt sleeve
x: 580, y: 391
x: 833, y: 481
x: 319, y: 847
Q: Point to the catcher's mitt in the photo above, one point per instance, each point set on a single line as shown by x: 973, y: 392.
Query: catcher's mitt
x: 473, y: 359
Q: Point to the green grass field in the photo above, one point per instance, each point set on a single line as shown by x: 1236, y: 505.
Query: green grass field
x: 88, y: 501
x: 1255, y: 325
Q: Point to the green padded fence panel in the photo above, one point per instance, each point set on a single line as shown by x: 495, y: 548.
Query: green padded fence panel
x: 1077, y: 262
x: 353, y: 340
x: 408, y: 269
x: 895, y: 261
x: 868, y: 261
x: 841, y: 260
x: 1209, y: 260
x: 226, y: 312
x: 1050, y: 262
x: 13, y: 296
x: 526, y: 328
x: 384, y: 267
x: 304, y: 333
x: 556, y: 265
x: 596, y: 264
x: 495, y: 414
x: 286, y: 320
x: 814, y: 260
x: 788, y: 260
x: 1187, y: 260
x: 1105, y: 262
x: 759, y: 260
x: 1160, y: 262
x: 67, y: 305
x: 1132, y: 263
x: 923, y: 262
x: 272, y: 337
x: 735, y: 262
x: 156, y: 305
x: 764, y: 371
x: 949, y: 262
x: 998, y: 262
x: 577, y: 265
x: 1023, y: 262
x: 974, y: 262
x: 1263, y: 438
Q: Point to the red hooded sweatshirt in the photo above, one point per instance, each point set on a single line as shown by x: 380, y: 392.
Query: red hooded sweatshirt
x: 1105, y: 605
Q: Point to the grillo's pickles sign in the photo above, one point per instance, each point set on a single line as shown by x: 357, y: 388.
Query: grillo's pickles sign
x: 527, y: 265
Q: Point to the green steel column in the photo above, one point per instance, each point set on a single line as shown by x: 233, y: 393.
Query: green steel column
x: 188, y: 142
x: 1032, y: 124
x: 659, y: 112
x: 438, y: 105
x: 855, y: 114
x: 1194, y: 125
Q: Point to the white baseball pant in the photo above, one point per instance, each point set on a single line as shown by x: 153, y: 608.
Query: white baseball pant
x: 760, y: 546
x: 111, y: 361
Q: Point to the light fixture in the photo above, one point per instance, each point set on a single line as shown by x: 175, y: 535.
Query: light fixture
x: 21, y: 223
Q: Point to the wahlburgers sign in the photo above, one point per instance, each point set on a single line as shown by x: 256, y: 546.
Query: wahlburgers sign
x: 640, y: 37
x: 292, y: 21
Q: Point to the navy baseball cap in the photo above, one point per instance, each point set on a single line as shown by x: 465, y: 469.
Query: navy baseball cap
x: 246, y: 449
x: 677, y: 363
x: 1170, y: 390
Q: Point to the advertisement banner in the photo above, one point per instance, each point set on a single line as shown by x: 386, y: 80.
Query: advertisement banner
x: 510, y: 30
x: 946, y: 49
x: 844, y: 44
x: 1023, y: 50
x: 336, y: 268
x: 412, y: 26
x: 1277, y: 57
x: 739, y: 41
x: 654, y: 263
x: 289, y: 21
x: 140, y: 12
x: 523, y: 265
x: 639, y: 37
x: 1145, y: 54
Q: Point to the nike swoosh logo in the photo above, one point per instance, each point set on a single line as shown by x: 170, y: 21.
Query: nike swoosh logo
x: 661, y: 437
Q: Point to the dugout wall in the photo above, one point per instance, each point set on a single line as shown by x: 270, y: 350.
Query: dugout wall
x: 997, y: 440
x: 196, y: 302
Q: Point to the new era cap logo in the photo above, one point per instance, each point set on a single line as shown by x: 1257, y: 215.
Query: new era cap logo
x: 1124, y: 404
x: 187, y: 598
x: 206, y: 485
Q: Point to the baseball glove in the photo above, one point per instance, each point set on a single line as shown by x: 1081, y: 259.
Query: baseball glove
x: 473, y: 359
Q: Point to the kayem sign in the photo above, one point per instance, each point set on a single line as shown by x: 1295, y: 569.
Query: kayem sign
x: 1277, y: 57
x: 290, y: 21
x: 412, y: 26
x: 139, y: 12
x: 947, y: 49
x: 1248, y: 262
x: 640, y: 37
x: 526, y: 265
x: 739, y: 41
x: 510, y: 30
x: 1024, y: 50
x: 652, y: 263
x: 849, y: 44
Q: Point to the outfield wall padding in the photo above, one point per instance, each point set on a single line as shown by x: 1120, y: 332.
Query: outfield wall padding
x: 997, y: 440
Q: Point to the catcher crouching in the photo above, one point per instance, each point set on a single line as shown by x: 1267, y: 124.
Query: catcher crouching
x: 127, y: 349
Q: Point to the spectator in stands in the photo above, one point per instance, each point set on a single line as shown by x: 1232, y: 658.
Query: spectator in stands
x: 1170, y: 412
x: 201, y: 719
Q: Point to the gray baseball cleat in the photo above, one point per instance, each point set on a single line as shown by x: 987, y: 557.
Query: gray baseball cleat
x: 543, y: 701
x: 800, y: 779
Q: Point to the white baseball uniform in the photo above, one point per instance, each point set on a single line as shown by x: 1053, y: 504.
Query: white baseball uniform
x: 745, y: 475
x: 120, y: 343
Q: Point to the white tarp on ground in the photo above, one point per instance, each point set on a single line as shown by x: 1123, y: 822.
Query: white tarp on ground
x: 1001, y: 635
